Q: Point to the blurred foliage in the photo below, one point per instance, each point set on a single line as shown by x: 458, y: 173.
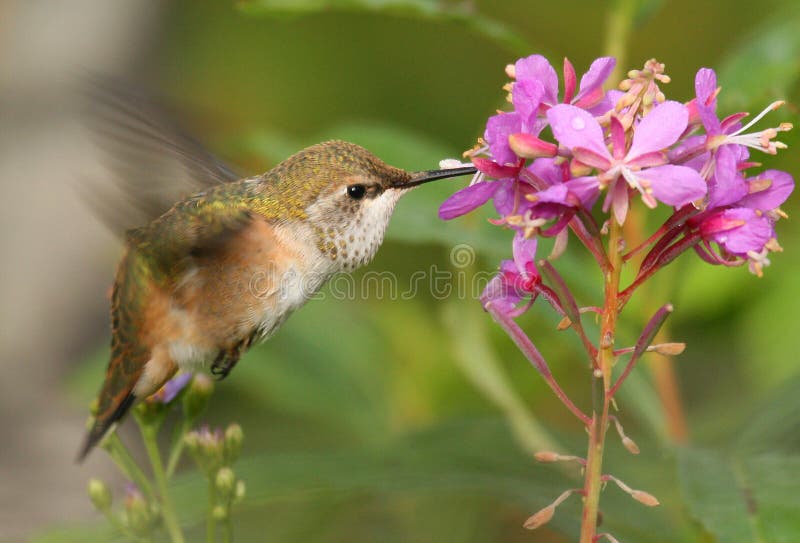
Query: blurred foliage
x: 413, y: 419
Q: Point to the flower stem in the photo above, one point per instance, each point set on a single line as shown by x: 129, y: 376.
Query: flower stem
x: 211, y: 522
x: 125, y: 462
x: 177, y: 446
x: 601, y: 382
x: 171, y: 523
x: 533, y: 355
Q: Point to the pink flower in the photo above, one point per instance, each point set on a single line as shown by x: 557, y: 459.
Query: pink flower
x: 536, y: 68
x: 643, y: 166
x: 517, y: 279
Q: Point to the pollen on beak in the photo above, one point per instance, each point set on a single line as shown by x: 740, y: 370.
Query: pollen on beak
x: 419, y: 178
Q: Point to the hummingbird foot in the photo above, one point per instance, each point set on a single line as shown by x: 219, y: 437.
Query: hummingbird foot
x: 224, y: 363
x: 227, y: 359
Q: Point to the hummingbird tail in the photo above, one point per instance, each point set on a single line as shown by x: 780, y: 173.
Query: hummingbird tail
x: 102, y: 425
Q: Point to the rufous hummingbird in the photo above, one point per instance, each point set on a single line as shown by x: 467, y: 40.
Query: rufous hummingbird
x: 224, y: 268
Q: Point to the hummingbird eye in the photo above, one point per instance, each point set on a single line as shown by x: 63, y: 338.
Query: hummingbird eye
x: 356, y: 192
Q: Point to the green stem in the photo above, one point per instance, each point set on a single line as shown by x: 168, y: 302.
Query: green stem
x: 171, y: 522
x: 227, y: 534
x: 601, y: 381
x: 125, y: 462
x: 211, y: 522
x: 619, y: 23
x: 177, y: 447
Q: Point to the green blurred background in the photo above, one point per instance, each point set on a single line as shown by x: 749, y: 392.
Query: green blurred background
x: 386, y: 417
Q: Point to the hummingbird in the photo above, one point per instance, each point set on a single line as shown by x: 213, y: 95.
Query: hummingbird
x: 225, y: 267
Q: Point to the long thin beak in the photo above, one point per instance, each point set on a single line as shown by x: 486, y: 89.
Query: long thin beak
x: 418, y: 178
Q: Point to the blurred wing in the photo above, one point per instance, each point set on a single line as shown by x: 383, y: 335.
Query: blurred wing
x: 154, y: 161
x: 192, y: 228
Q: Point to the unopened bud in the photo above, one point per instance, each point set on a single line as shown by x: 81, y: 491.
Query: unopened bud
x: 94, y: 407
x: 630, y: 444
x: 540, y: 518
x: 192, y: 442
x: 197, y: 396
x: 234, y: 436
x: 137, y: 512
x: 225, y: 481
x: 99, y: 494
x: 529, y: 146
x: 669, y: 349
x: 644, y: 497
x: 219, y: 512
x: 240, y: 492
x: 563, y: 324
x: 511, y: 71
x: 546, y: 456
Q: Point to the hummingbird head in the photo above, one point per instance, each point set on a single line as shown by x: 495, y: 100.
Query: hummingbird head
x: 347, y: 196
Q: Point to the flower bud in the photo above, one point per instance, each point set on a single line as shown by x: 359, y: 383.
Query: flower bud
x: 540, y: 518
x: 137, y: 513
x: 234, y: 436
x: 99, y: 494
x: 240, y: 492
x: 192, y: 442
x: 206, y: 447
x: 219, y: 512
x: 196, y: 398
x: 225, y: 481
x: 529, y: 146
x: 94, y: 407
x: 630, y: 444
x: 669, y: 349
x: 644, y: 497
x: 546, y: 456
x: 563, y: 324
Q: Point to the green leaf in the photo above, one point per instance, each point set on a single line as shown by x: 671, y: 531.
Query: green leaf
x: 742, y: 499
x: 766, y: 65
x: 432, y: 10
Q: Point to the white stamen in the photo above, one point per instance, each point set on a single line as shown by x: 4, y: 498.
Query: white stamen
x: 761, y: 140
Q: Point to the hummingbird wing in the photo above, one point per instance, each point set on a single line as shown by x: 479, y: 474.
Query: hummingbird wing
x: 155, y: 162
x: 155, y: 257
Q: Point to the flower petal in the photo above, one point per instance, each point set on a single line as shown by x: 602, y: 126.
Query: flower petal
x: 527, y: 96
x: 574, y: 127
x: 524, y: 251
x: 753, y: 233
x: 727, y: 185
x: 537, y: 68
x: 547, y: 170
x: 771, y: 198
x: 467, y: 199
x: 492, y: 168
x: 592, y: 80
x: 705, y: 86
x: 587, y: 189
x: 503, y: 199
x: 499, y: 295
x: 674, y: 185
x: 498, y: 128
x: 658, y: 130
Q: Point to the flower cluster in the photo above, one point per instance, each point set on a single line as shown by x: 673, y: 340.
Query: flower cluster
x: 548, y: 162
